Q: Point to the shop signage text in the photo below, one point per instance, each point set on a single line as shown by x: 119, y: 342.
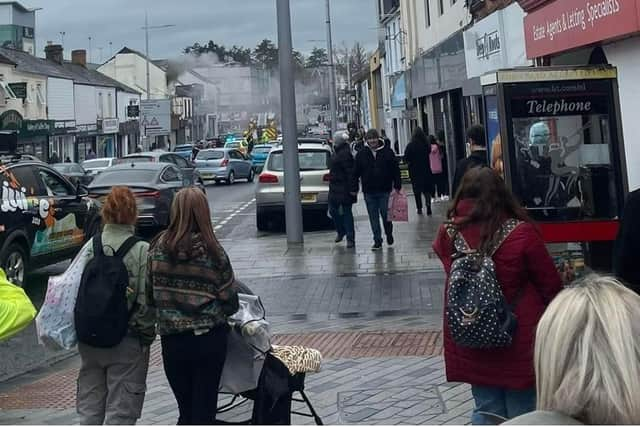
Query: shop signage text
x: 110, y: 126
x: 37, y: 127
x: 488, y: 45
x: 569, y: 24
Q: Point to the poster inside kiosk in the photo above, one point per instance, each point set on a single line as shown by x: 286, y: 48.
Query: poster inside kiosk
x: 155, y: 117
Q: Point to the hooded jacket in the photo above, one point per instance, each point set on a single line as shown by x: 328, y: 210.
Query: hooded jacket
x: 193, y: 292
x: 342, y: 182
x: 476, y: 159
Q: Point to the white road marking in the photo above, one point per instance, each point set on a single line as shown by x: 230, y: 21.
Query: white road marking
x: 233, y: 214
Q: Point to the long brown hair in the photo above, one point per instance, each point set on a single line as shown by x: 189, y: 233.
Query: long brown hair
x: 494, y: 203
x: 189, y: 214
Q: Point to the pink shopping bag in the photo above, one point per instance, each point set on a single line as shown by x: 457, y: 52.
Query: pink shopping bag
x: 398, y: 207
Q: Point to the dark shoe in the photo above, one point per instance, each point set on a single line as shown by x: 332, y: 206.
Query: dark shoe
x: 429, y: 212
x: 419, y: 211
x: 390, y: 240
x: 351, y: 244
x: 376, y: 246
x: 339, y: 238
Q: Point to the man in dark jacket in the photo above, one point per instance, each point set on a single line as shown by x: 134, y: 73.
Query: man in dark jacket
x: 477, y: 158
x: 343, y: 189
x: 627, y: 246
x: 378, y: 169
x: 416, y: 155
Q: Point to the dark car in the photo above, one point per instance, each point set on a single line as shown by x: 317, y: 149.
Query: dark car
x: 44, y: 218
x: 187, y: 167
x: 154, y: 185
x: 74, y: 173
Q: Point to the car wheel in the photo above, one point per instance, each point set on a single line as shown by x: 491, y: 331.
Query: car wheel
x: 14, y: 263
x: 232, y: 178
x: 261, y: 222
x: 252, y: 175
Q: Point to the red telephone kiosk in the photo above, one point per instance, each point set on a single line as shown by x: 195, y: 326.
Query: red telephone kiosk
x: 554, y: 133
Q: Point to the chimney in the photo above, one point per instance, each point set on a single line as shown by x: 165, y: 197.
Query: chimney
x: 79, y: 57
x: 54, y: 52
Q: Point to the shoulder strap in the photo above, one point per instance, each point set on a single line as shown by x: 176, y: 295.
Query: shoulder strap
x: 459, y: 242
x: 97, y: 245
x: 126, y: 246
x: 503, y: 233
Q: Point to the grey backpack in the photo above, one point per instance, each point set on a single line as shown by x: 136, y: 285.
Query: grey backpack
x: 476, y: 311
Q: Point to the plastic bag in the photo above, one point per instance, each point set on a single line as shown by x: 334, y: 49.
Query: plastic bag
x: 55, y: 324
x: 398, y: 207
x: 16, y: 309
x: 247, y: 345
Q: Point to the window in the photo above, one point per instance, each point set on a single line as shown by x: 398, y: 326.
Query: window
x: 109, y: 105
x: 235, y: 155
x: 171, y: 174
x: 40, y: 95
x: 210, y: 155
x: 53, y: 185
x: 25, y: 178
x: 8, y: 93
x: 310, y: 160
x: 441, y: 7
x: 131, y: 177
x: 179, y: 161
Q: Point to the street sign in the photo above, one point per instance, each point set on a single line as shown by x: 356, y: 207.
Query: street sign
x: 133, y: 111
x: 155, y: 117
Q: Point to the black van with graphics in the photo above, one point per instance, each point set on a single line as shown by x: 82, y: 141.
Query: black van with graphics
x: 44, y: 219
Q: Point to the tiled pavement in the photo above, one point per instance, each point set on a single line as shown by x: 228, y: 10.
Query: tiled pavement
x: 313, y: 290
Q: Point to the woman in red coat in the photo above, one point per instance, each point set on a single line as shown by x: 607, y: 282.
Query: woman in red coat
x: 502, y: 379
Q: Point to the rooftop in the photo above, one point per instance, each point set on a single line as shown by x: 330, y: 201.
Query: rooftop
x: 17, y: 5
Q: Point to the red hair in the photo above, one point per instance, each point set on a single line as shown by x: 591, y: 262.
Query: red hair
x: 120, y: 207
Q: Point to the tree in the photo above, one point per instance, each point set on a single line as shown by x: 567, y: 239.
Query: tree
x: 241, y: 55
x: 266, y: 54
x: 317, y: 58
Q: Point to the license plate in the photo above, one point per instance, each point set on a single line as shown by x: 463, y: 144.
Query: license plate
x: 208, y: 175
x: 309, y: 198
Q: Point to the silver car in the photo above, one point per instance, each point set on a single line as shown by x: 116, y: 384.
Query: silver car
x: 314, y: 182
x: 224, y: 164
x: 95, y: 166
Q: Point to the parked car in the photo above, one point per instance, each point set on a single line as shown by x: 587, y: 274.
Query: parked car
x: 187, y: 167
x: 314, y: 182
x: 153, y: 183
x: 74, y: 173
x: 224, y: 164
x: 184, y: 151
x: 44, y: 218
x: 259, y: 156
x: 95, y: 166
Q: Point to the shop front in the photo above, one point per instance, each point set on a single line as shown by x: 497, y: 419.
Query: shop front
x: 86, y: 141
x: 399, y: 115
x: 108, y: 137
x: 62, y: 139
x: 33, y: 135
x: 555, y: 136
x: 128, y: 138
x: 437, y: 79
x: 575, y: 33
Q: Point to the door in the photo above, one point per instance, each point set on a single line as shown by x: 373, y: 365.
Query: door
x: 64, y: 215
x: 188, y: 168
x: 239, y: 165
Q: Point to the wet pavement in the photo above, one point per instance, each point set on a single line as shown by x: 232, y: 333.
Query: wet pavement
x: 316, y: 293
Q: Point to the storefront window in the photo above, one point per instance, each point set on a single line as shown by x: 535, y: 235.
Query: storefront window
x: 563, y: 151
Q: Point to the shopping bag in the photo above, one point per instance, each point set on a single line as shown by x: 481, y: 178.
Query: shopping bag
x: 16, y: 309
x: 55, y: 324
x: 398, y: 207
x: 248, y: 342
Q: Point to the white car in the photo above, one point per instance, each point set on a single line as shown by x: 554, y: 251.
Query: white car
x: 314, y: 182
x: 95, y: 166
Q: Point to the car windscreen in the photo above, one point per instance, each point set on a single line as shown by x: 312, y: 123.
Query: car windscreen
x: 90, y: 164
x: 210, y: 155
x: 261, y: 150
x: 310, y: 160
x: 184, y: 148
x: 134, y: 159
x: 125, y: 177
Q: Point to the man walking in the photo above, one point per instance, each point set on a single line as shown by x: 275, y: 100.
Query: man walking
x: 417, y: 157
x: 343, y: 189
x: 378, y: 169
x: 477, y: 158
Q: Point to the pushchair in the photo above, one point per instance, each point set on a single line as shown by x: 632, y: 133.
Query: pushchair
x: 257, y: 372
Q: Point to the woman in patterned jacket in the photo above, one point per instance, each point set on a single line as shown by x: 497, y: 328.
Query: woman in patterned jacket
x: 192, y: 279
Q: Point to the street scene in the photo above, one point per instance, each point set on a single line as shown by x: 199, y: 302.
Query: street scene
x: 371, y: 212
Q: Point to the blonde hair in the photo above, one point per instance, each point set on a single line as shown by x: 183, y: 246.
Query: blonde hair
x: 587, y: 353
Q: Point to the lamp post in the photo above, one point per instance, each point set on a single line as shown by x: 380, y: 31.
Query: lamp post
x: 146, y: 29
x: 332, y: 72
x: 293, y: 206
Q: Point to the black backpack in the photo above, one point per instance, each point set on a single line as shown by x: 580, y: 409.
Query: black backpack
x: 476, y: 311
x: 101, y: 314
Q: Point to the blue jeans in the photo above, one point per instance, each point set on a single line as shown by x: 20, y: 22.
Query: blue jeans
x: 502, y: 402
x: 342, y: 216
x: 378, y: 207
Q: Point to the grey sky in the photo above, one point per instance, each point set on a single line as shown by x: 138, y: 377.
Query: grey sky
x: 228, y: 22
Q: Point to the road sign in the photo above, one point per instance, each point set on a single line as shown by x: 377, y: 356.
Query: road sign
x: 155, y: 117
x: 133, y: 110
